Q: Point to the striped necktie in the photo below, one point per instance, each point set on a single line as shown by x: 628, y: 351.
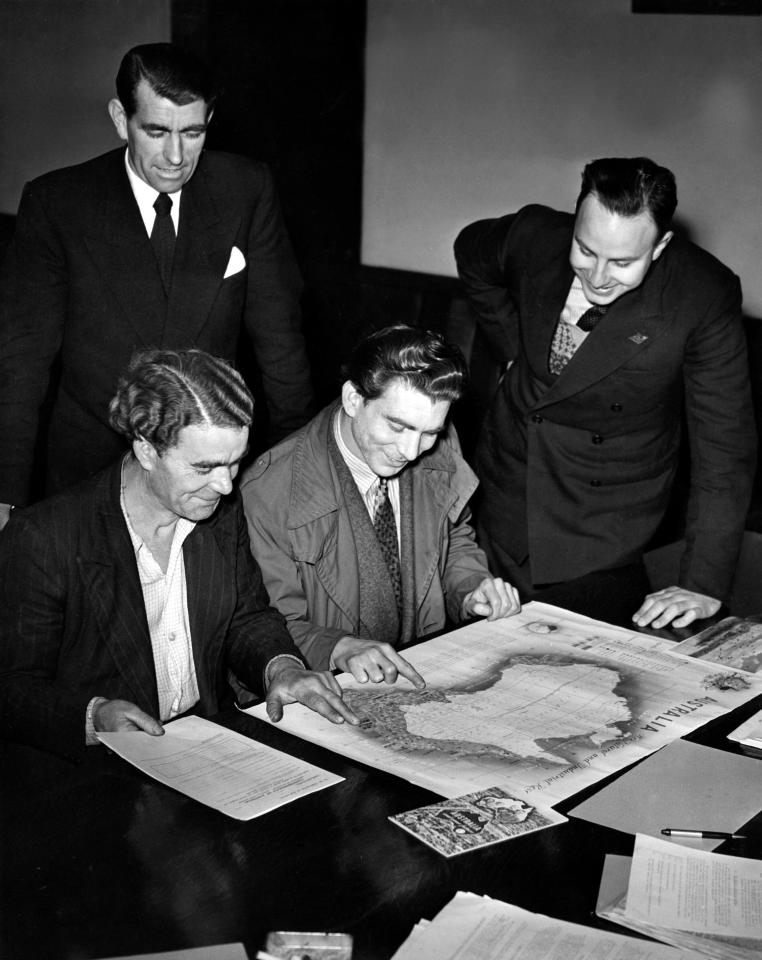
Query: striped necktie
x: 386, y: 532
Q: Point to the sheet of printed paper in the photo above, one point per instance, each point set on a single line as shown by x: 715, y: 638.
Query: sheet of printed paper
x: 224, y: 951
x: 683, y: 786
x: 477, y: 928
x: 541, y: 704
x: 692, y: 890
x: 474, y: 821
x: 219, y: 767
x: 750, y: 731
x: 733, y: 643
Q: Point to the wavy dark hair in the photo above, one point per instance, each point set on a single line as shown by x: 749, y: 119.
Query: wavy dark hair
x: 422, y: 359
x: 163, y: 391
x: 170, y: 71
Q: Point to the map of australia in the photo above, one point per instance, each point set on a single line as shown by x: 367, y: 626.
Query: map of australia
x: 540, y: 704
x: 571, y: 704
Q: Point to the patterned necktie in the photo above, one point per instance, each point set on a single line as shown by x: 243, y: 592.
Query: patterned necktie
x: 386, y: 532
x: 564, y: 344
x: 590, y: 318
x: 163, y: 237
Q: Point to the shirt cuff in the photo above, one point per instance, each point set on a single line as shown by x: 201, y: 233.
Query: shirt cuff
x: 273, y: 662
x: 91, y: 739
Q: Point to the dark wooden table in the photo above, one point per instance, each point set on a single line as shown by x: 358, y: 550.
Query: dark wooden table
x: 106, y: 862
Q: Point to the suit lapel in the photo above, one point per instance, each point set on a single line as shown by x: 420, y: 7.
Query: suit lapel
x: 111, y: 580
x: 208, y: 579
x: 204, y: 242
x: 631, y: 326
x: 121, y: 250
x: 542, y: 303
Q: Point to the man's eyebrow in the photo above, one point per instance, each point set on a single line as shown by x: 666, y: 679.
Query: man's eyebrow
x: 211, y: 464
x: 161, y: 128
x: 409, y: 426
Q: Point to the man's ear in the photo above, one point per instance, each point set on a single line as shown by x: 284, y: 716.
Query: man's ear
x: 145, y: 453
x: 118, y: 117
x: 661, y: 245
x: 351, y: 398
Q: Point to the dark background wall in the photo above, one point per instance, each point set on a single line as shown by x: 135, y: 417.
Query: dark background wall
x: 292, y: 76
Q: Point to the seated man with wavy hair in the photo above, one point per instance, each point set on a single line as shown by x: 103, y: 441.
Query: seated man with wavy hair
x: 126, y: 600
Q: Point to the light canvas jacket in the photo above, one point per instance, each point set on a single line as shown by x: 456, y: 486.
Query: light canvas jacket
x: 302, y: 538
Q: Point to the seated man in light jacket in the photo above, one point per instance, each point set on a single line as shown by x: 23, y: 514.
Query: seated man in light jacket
x: 359, y: 521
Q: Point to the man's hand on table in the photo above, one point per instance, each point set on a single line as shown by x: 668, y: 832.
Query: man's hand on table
x: 120, y: 716
x: 318, y: 690
x: 493, y: 599
x: 367, y: 660
x: 676, y: 607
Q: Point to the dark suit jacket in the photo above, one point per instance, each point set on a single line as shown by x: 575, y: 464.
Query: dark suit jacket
x: 81, y: 282
x: 73, y: 623
x: 576, y: 470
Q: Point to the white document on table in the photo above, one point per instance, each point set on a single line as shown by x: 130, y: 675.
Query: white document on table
x: 219, y: 767
x: 691, y: 890
x: 471, y: 927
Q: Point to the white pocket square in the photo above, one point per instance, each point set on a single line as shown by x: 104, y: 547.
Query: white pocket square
x: 236, y: 263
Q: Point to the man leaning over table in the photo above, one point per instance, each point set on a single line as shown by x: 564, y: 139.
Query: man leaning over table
x: 125, y: 600
x: 612, y: 327
x: 360, y: 521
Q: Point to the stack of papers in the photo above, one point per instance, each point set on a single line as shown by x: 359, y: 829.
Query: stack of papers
x: 698, y: 901
x: 477, y: 928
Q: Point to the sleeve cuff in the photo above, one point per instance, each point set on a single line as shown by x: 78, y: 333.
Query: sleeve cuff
x: 91, y: 739
x: 270, y: 666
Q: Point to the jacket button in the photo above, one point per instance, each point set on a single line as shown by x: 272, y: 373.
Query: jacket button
x: 595, y: 483
x: 597, y: 438
x: 536, y: 418
x: 616, y: 407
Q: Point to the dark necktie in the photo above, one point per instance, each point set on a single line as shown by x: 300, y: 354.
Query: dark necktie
x: 163, y: 237
x: 386, y: 532
x: 590, y: 318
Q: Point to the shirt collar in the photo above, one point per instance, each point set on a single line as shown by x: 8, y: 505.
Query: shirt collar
x: 362, y: 475
x: 145, y: 196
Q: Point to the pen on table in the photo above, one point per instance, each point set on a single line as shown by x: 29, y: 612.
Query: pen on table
x: 703, y: 834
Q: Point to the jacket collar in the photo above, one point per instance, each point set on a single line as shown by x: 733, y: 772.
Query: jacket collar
x: 313, y: 492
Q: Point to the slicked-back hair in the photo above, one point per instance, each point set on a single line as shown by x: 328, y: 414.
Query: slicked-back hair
x: 172, y: 73
x: 163, y: 391
x: 421, y: 359
x: 629, y: 186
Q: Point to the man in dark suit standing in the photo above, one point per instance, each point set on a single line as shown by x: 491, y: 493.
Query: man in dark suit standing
x: 159, y: 245
x: 127, y: 598
x: 611, y: 326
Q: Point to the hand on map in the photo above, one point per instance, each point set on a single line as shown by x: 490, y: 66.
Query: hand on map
x: 368, y: 660
x: 318, y: 690
x: 493, y: 599
x: 674, y: 606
